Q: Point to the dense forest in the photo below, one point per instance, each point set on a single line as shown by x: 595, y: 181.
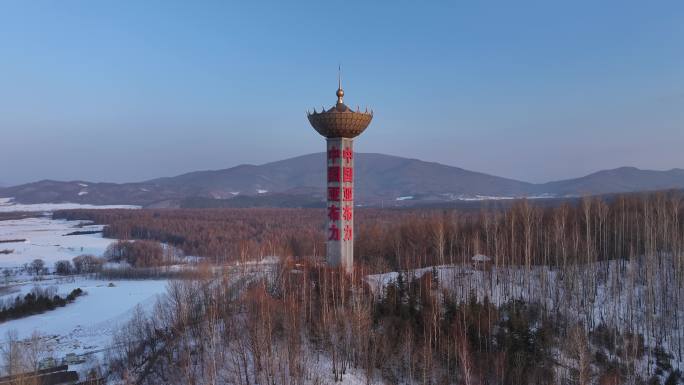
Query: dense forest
x: 526, y: 234
x: 581, y: 293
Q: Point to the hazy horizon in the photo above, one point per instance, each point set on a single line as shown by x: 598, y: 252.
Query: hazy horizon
x: 131, y: 91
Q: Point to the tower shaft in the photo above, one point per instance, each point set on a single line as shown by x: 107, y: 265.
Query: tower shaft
x: 340, y: 207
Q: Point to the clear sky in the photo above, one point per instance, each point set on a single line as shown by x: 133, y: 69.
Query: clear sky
x: 130, y: 90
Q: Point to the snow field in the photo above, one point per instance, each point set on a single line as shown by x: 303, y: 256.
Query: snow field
x: 88, y: 323
x: 46, y: 239
x: 8, y: 205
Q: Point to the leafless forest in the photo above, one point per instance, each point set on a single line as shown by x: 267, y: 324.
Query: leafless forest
x: 580, y: 293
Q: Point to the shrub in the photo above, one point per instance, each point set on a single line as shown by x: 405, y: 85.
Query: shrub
x: 63, y: 267
x: 85, y: 264
x: 36, y: 267
x: 137, y: 254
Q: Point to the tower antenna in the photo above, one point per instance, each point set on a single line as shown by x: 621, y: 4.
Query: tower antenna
x: 340, y: 92
x: 339, y: 76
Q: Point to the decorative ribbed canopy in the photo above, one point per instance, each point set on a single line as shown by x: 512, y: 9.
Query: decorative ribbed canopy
x: 340, y: 121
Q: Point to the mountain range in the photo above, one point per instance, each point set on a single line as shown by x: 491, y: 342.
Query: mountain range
x: 299, y: 182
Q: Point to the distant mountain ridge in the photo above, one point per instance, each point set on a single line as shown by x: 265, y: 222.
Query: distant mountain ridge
x: 381, y: 180
x: 618, y: 180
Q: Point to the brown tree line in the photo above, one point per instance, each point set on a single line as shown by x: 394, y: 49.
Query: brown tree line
x: 527, y: 234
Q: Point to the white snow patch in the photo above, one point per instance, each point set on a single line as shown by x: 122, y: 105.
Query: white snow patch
x: 191, y: 259
x: 260, y: 191
x: 267, y: 260
x: 46, y: 239
x: 484, y: 198
x: 87, y: 324
x: 405, y: 198
x: 8, y: 205
x: 83, y: 185
x: 81, y: 193
x: 478, y: 197
x: 6, y: 201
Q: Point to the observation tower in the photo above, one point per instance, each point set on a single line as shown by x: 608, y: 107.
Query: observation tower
x: 340, y: 125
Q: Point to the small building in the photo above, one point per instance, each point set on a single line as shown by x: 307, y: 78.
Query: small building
x: 72, y: 359
x: 481, y: 262
x: 47, y: 363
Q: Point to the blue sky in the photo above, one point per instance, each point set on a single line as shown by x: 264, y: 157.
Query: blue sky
x: 543, y: 90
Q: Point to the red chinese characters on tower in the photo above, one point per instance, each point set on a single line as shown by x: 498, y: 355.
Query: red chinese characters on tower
x: 347, y: 155
x: 333, y: 193
x: 347, y: 213
x: 334, y: 213
x: 333, y: 174
x: 347, y: 174
x: 333, y: 154
x: 347, y: 194
x: 348, y: 232
x: 340, y: 194
x: 334, y: 233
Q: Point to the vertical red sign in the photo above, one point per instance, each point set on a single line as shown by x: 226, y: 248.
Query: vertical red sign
x: 340, y: 198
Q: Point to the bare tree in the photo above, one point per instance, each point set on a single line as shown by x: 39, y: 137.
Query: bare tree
x: 36, y: 267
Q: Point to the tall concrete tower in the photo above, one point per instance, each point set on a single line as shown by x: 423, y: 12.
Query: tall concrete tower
x: 340, y: 125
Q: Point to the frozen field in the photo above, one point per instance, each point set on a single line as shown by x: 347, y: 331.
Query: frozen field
x: 46, y: 239
x: 87, y: 324
x: 8, y: 205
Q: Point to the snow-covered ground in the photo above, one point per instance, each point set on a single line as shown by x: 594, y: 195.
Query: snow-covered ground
x: 8, y: 205
x: 462, y: 197
x: 46, y: 239
x: 88, y: 324
x: 609, y: 292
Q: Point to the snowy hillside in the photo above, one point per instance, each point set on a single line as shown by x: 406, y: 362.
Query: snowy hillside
x: 612, y: 294
x: 86, y: 326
